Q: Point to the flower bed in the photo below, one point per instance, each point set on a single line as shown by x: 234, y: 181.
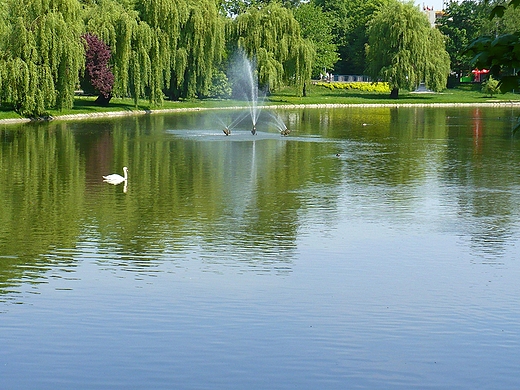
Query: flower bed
x: 359, y: 86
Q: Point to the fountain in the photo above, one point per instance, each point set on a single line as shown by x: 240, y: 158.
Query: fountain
x: 279, y: 123
x: 227, y: 127
x: 251, y: 91
x: 244, y: 77
x: 246, y: 82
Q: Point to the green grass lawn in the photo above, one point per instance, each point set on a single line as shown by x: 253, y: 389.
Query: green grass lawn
x: 469, y: 93
x: 85, y: 105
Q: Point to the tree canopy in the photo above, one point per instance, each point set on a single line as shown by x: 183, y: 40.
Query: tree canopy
x: 500, y: 53
x: 158, y: 48
x: 98, y: 73
x: 316, y: 26
x: 349, y: 20
x: 179, y: 49
x: 462, y: 23
x: 41, y: 54
x: 271, y: 35
x: 404, y: 50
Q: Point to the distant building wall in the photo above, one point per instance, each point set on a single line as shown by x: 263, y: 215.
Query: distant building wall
x: 348, y: 78
x: 432, y: 15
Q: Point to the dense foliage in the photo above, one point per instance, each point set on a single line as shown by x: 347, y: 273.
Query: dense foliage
x: 157, y: 49
x: 271, y: 35
x: 501, y: 52
x: 182, y: 49
x: 357, y: 86
x: 41, y: 54
x: 349, y: 20
x: 316, y: 26
x: 404, y: 50
x: 98, y: 73
x: 462, y: 23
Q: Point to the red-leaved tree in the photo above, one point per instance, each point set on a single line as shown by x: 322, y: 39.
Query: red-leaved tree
x: 97, y: 66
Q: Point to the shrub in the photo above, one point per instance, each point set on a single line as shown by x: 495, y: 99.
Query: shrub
x: 357, y: 86
x: 490, y: 87
x: 220, y: 88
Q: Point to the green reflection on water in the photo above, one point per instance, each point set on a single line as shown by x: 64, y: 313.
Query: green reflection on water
x: 240, y: 200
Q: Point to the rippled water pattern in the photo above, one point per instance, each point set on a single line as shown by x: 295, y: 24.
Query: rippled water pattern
x: 369, y: 249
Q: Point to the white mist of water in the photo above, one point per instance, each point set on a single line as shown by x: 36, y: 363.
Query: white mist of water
x: 233, y: 123
x: 245, y: 77
x: 252, y: 97
x: 278, y: 122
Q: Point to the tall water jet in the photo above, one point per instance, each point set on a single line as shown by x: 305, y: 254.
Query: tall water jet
x: 246, y: 83
x: 253, y: 92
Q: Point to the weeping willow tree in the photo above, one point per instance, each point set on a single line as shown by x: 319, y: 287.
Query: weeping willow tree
x: 187, y: 45
x: 133, y: 44
x: 40, y: 54
x: 201, y: 48
x: 155, y: 45
x: 404, y: 50
x: 272, y: 36
x: 115, y: 25
x: 161, y: 46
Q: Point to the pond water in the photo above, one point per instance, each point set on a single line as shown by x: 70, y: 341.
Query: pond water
x: 372, y: 248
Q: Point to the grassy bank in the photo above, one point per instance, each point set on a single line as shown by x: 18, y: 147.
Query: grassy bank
x: 85, y: 105
x: 468, y: 94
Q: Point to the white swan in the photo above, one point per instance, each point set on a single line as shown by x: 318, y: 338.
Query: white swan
x: 115, y: 179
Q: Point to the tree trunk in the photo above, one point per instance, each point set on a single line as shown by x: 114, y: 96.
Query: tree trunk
x: 102, y: 100
x: 394, y: 94
x: 305, y: 89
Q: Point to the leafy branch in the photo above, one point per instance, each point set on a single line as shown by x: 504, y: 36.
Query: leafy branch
x: 500, y: 54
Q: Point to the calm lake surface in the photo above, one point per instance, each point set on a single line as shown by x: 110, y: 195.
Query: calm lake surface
x: 262, y: 262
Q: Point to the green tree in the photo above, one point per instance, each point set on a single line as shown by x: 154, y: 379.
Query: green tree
x: 233, y: 8
x: 462, y: 23
x: 187, y: 45
x: 349, y: 20
x: 41, y: 54
x: 202, y: 45
x: 500, y: 53
x: 271, y: 35
x: 160, y: 47
x: 316, y: 26
x: 509, y: 23
x: 404, y: 50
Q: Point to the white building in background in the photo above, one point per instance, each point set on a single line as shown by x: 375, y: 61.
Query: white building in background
x: 432, y: 14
